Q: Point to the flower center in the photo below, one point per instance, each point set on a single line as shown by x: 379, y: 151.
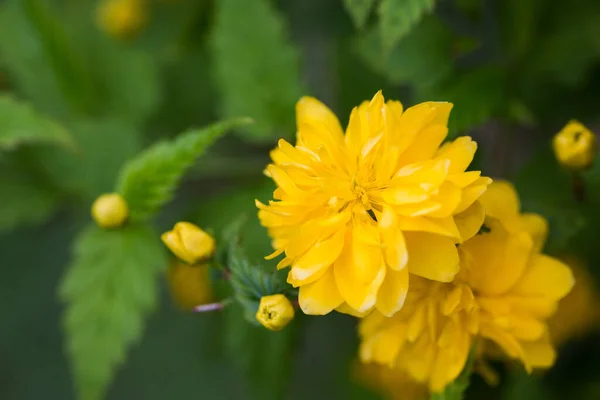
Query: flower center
x: 362, y: 196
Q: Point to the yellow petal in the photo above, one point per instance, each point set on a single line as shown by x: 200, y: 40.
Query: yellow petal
x: 317, y: 259
x: 432, y: 256
x: 426, y: 145
x: 344, y: 308
x: 500, y: 200
x: 539, y: 354
x: 545, y: 276
x: 392, y: 292
x: 310, y: 112
x: 360, y: 269
x: 460, y: 152
x: 464, y: 179
x: 527, y: 328
x: 440, y: 226
x: 495, y: 261
x: 449, y: 197
x: 506, y: 341
x: 394, y: 253
x: 473, y: 192
x: 469, y: 222
x: 537, y: 227
x: 321, y: 296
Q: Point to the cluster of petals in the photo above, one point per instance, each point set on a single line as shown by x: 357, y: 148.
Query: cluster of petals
x: 503, y: 295
x: 355, y: 212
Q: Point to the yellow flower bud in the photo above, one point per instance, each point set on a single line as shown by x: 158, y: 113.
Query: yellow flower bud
x: 190, y: 243
x: 110, y: 210
x: 190, y: 285
x: 275, y: 312
x: 575, y: 146
x: 122, y: 19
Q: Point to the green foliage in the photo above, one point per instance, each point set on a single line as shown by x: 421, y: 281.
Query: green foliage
x: 359, y: 10
x: 20, y: 124
x: 398, y: 17
x: 25, y: 197
x: 412, y: 60
x: 477, y: 96
x: 256, y: 70
x: 109, y: 289
x: 147, y: 182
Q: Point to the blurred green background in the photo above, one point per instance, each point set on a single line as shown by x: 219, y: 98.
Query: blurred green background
x: 101, y: 80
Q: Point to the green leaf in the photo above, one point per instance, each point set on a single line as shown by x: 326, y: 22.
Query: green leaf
x: 477, y: 96
x: 359, y: 10
x: 398, y: 17
x: 25, y: 199
x: 20, y: 124
x: 456, y: 389
x: 413, y: 60
x: 251, y: 282
x: 263, y: 356
x: 147, y: 182
x: 109, y: 290
x: 256, y: 70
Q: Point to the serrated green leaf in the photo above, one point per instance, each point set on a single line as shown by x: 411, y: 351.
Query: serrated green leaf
x: 398, y: 17
x: 147, y: 182
x: 359, y: 10
x: 25, y: 199
x: 256, y: 70
x: 109, y: 290
x: 413, y: 60
x: 20, y: 124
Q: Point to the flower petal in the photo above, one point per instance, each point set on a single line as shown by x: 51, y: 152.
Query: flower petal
x: 432, y: 256
x: 394, y: 252
x: 460, y: 152
x: 537, y: 227
x: 392, y: 293
x: 320, y: 256
x: 469, y: 222
x: 320, y: 297
x: 546, y: 276
x: 501, y: 201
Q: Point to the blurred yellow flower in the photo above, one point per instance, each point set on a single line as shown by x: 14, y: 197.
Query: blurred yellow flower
x: 275, y: 312
x: 578, y: 314
x: 190, y: 285
x: 122, y: 19
x: 110, y: 210
x: 190, y: 243
x: 392, y: 383
x: 355, y: 212
x: 504, y: 293
x: 575, y: 146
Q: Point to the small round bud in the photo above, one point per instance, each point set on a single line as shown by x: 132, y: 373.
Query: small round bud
x: 190, y: 243
x: 110, y: 210
x: 121, y: 19
x: 190, y: 285
x: 275, y: 312
x: 575, y: 146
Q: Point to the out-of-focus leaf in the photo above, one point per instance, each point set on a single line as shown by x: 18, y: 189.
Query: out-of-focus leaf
x: 147, y: 182
x: 547, y: 189
x: 24, y: 199
x: 519, y: 22
x: 523, y: 386
x: 256, y: 70
x: 20, y: 124
x: 359, y: 10
x: 109, y: 289
x: 398, y: 17
x: 263, y: 356
x: 103, y: 146
x: 421, y: 58
x: 477, y: 96
x: 65, y: 61
x: 26, y: 63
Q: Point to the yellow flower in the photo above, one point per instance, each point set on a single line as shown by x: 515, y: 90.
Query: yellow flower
x: 110, y: 210
x: 575, y: 146
x: 578, y: 314
x: 190, y: 243
x: 275, y: 312
x: 122, y: 19
x: 190, y: 284
x: 355, y: 212
x: 504, y: 293
x: 394, y: 384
